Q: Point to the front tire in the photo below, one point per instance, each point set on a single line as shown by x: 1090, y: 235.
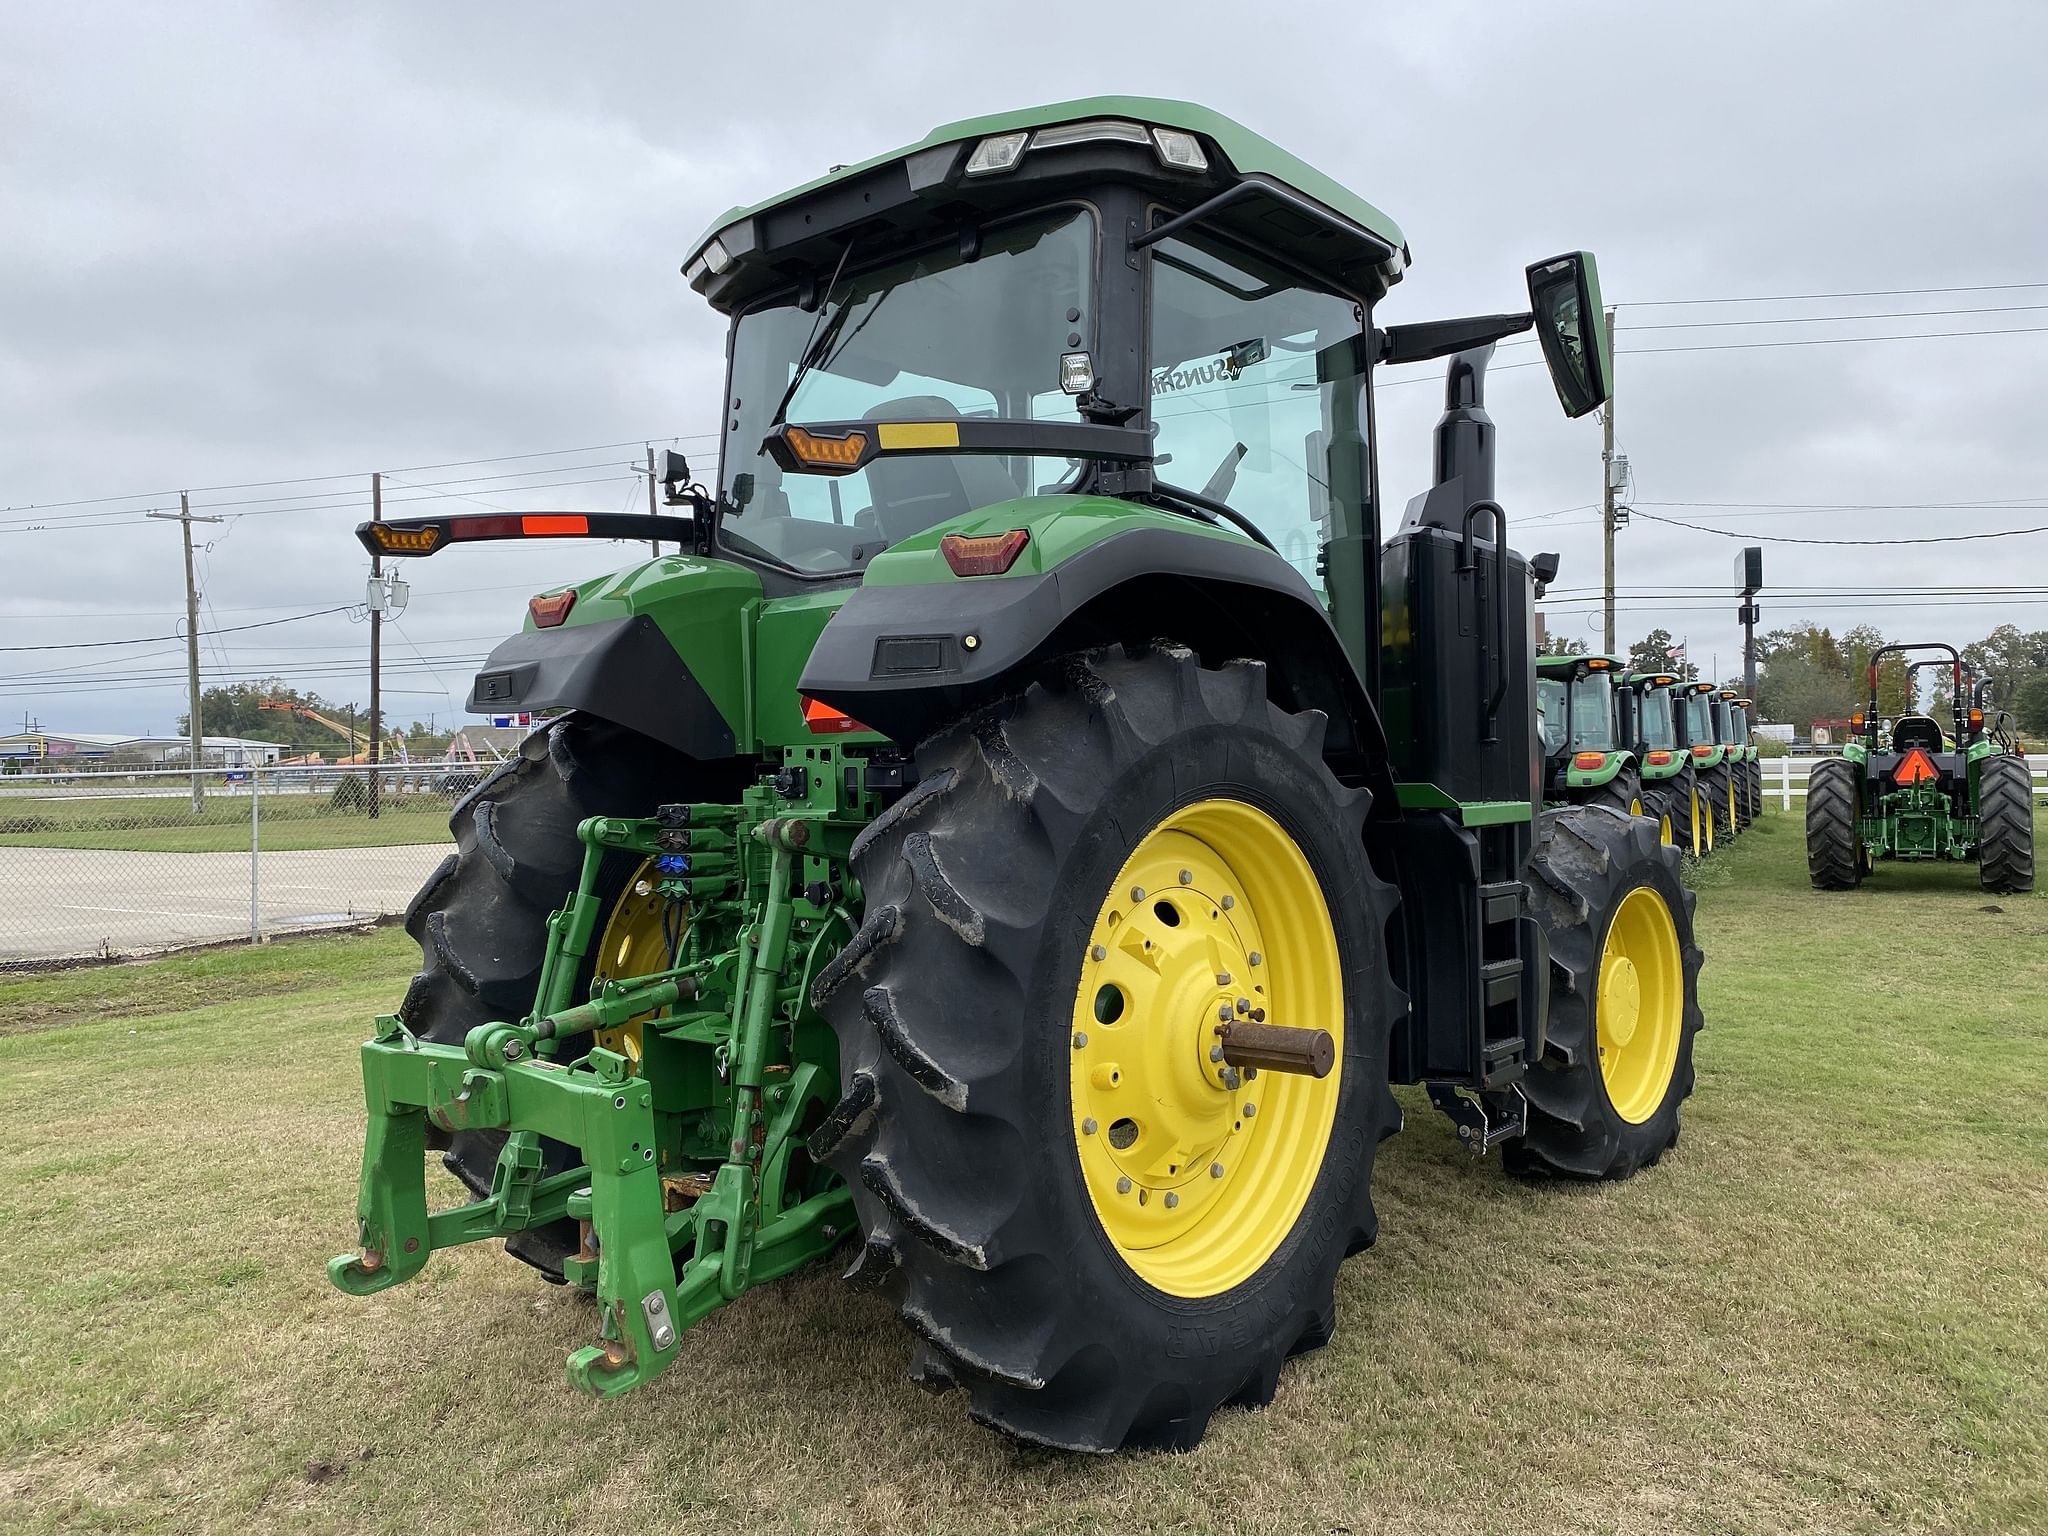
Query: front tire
x: 1094, y: 1282
x: 1834, y: 843
x: 1623, y: 793
x: 1624, y: 998
x: 2005, y: 826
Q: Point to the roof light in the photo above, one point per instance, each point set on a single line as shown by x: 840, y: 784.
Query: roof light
x: 1000, y: 153
x: 1598, y: 664
x: 1585, y: 761
x: 985, y: 555
x: 1077, y: 373
x: 1665, y: 680
x: 1090, y: 131
x: 549, y: 611
x: 716, y: 256
x: 824, y: 720
x: 1178, y: 150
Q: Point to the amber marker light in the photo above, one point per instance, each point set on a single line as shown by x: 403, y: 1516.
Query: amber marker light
x: 984, y: 554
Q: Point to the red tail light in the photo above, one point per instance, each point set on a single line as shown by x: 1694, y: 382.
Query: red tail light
x: 984, y: 555
x: 1589, y: 760
x: 1659, y: 759
x: 549, y: 611
x: 823, y: 720
x: 1702, y: 751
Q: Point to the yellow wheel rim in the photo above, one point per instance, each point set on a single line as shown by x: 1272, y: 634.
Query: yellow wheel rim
x: 1702, y: 828
x: 1641, y: 1006
x: 632, y: 944
x: 1635, y: 806
x: 1195, y: 1182
x: 1664, y: 830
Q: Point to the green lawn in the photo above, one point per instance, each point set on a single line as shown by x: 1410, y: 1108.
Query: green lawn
x: 165, y: 823
x: 1824, y: 1311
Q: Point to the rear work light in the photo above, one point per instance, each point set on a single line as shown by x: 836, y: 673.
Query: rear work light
x: 824, y: 720
x: 986, y: 554
x: 548, y: 611
x: 1589, y: 760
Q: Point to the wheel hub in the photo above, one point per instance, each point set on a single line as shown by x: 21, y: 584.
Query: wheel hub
x: 1640, y: 1005
x: 1197, y: 1168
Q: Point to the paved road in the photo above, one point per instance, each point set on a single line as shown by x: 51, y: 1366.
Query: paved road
x: 57, y: 902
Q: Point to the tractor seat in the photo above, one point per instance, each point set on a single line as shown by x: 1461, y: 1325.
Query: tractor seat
x: 912, y: 493
x: 1916, y: 731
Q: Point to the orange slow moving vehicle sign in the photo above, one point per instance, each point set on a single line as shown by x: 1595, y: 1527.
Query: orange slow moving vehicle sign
x: 1915, y: 768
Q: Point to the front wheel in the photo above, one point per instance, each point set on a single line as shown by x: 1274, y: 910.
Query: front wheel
x: 1624, y: 998
x: 1623, y: 793
x: 1093, y: 1222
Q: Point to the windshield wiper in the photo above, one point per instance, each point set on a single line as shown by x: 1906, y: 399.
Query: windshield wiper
x: 823, y: 334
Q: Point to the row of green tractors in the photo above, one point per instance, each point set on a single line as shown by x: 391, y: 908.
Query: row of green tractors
x: 1649, y: 743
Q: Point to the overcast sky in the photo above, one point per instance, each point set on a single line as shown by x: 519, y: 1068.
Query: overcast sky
x: 250, y: 242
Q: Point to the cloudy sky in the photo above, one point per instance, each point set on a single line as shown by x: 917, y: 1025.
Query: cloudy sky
x: 246, y: 243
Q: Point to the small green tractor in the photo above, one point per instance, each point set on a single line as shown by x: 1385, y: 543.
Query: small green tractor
x: 1041, y: 807
x: 1704, y: 737
x: 1648, y: 719
x: 1745, y: 777
x: 1587, y: 757
x: 1916, y: 793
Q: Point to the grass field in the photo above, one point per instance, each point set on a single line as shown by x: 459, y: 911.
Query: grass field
x: 165, y: 823
x: 1823, y: 1312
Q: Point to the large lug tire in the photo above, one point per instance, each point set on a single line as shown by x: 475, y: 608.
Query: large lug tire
x: 1623, y: 793
x: 2005, y: 826
x: 1756, y: 790
x: 1624, y: 998
x: 1664, y: 802
x: 1718, y: 791
x: 963, y: 1003
x: 481, y: 918
x: 1745, y: 793
x: 1699, y: 814
x: 1834, y: 843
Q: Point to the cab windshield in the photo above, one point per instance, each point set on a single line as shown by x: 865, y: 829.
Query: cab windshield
x: 939, y: 335
x: 1659, y: 732
x: 1699, y: 721
x: 1738, y: 727
x: 1550, y: 725
x: 1593, y: 713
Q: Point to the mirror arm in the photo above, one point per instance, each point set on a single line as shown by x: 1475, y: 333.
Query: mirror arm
x: 1421, y: 341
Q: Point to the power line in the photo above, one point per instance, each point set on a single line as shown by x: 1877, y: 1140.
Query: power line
x: 1866, y: 293
x: 1884, y: 314
x: 1779, y: 538
x: 83, y: 645
x: 1831, y: 341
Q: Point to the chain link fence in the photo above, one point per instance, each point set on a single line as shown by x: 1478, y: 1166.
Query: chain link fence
x: 97, y: 866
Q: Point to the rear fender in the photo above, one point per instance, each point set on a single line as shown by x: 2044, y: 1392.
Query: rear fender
x: 905, y: 659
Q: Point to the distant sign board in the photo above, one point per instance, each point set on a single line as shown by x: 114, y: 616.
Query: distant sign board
x: 511, y: 722
x: 1749, y: 570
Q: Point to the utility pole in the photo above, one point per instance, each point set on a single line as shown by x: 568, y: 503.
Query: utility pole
x: 653, y: 505
x: 376, y: 649
x: 1607, y: 488
x: 186, y: 519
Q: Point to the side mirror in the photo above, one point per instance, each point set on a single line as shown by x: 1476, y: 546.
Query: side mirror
x: 1544, y: 568
x: 1564, y: 295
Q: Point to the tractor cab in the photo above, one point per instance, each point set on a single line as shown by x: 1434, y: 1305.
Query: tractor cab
x: 1692, y: 712
x: 1579, y: 720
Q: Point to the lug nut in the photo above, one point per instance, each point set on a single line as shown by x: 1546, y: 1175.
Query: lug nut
x: 1137, y: 893
x: 1250, y: 1073
x: 1223, y: 978
x: 1223, y: 1012
x: 642, y: 888
x: 1250, y: 1110
x: 1172, y: 1199
x: 1229, y: 902
x: 1098, y: 953
x: 1215, y: 1170
x: 1187, y: 877
x: 1244, y: 1005
x: 1230, y: 1079
x: 1080, y: 1039
x: 1256, y: 958
x: 1123, y: 1186
x: 1088, y: 1126
x: 1215, y: 1053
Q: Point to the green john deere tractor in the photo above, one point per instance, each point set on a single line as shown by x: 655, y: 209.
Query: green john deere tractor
x: 1587, y: 759
x: 1650, y: 731
x: 1040, y: 809
x: 1692, y: 709
x: 1916, y: 793
x: 1738, y: 755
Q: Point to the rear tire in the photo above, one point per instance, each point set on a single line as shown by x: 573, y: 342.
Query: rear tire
x: 1624, y: 998
x: 2005, y: 826
x: 1717, y: 790
x: 979, y: 1186
x: 1834, y: 844
x: 1664, y: 802
x: 481, y: 918
x: 1623, y: 793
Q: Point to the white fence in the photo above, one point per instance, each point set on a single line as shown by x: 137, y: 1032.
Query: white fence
x: 1785, y: 777
x: 105, y: 865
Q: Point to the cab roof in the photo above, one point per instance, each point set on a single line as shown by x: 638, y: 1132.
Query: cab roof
x: 936, y: 165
